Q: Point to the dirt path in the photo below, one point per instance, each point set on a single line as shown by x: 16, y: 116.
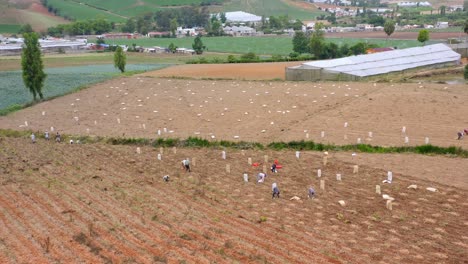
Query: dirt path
x: 252, y: 71
x: 395, y: 35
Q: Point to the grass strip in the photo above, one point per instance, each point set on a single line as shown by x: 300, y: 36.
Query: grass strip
x: 195, y: 142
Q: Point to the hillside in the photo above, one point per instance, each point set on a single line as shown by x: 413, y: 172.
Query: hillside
x: 13, y: 14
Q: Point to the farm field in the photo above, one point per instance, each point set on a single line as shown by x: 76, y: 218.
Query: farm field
x: 98, y: 203
x: 259, y: 45
x: 74, y: 10
x: 9, y: 28
x: 292, y: 8
x: 10, y: 63
x: 116, y: 10
x: 260, y: 111
x: 13, y: 14
x: 440, y: 36
x: 102, y: 203
x: 59, y: 81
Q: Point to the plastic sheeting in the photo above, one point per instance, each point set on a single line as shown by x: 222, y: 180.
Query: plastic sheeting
x: 389, y: 61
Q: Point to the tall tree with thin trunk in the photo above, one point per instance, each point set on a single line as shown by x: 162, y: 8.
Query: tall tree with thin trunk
x: 389, y: 28
x: 32, y: 66
x: 465, y: 27
x: 120, y: 59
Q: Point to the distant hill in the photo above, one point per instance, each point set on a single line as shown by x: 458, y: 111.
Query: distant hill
x: 13, y: 14
x: 118, y: 10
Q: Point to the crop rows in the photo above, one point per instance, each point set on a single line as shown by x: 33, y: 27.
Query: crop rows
x: 103, y: 203
x: 59, y: 81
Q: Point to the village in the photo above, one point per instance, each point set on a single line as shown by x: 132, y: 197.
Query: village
x: 238, y: 24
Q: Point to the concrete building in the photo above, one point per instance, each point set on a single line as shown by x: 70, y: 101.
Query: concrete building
x: 238, y: 31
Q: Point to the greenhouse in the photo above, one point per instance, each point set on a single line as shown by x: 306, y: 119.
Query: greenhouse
x: 363, y: 66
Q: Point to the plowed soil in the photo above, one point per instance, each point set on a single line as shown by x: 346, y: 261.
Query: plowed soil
x: 100, y: 203
x: 261, y: 111
x: 97, y: 203
x: 395, y: 35
x: 253, y: 71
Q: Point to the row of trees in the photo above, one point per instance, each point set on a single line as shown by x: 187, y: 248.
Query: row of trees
x: 315, y: 44
x: 87, y: 27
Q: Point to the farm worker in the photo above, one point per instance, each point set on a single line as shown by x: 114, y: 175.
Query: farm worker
x: 58, y: 137
x: 311, y: 193
x: 186, y: 164
x: 71, y: 141
x: 46, y: 135
x: 460, y: 135
x: 275, y: 191
x: 273, y: 168
x: 261, y: 177
x: 273, y: 186
x: 465, y: 131
x: 166, y: 178
x: 33, y: 138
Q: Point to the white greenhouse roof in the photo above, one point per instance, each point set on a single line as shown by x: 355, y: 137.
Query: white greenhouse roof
x: 241, y: 16
x: 388, y: 61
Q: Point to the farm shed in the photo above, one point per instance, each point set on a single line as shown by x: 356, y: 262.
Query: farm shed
x: 362, y: 66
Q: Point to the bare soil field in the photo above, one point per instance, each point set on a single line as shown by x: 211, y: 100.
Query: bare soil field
x: 261, y: 111
x: 395, y: 35
x: 252, y: 71
x: 98, y: 203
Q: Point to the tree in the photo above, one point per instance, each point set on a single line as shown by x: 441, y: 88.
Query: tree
x: 317, y: 41
x: 25, y: 29
x: 120, y: 59
x: 300, y: 42
x: 389, y: 28
x: 423, y: 36
x: 465, y: 74
x: 129, y: 26
x: 172, y: 47
x: 198, y: 45
x: 442, y: 10
x: 275, y: 22
x: 223, y: 17
x: 465, y: 27
x: 31, y: 63
x: 173, y: 26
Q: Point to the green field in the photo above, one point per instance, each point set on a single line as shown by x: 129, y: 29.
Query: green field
x: 271, y: 8
x: 8, y: 28
x: 115, y: 9
x: 258, y: 45
x: 60, y: 81
x: 75, y: 10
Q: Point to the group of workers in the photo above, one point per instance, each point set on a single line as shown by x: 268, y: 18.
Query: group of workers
x: 58, y: 137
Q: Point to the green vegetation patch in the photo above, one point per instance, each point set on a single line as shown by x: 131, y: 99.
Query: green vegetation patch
x: 9, y: 28
x: 59, y: 81
x: 272, y: 8
x: 75, y: 10
x: 195, y: 142
x: 280, y: 45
